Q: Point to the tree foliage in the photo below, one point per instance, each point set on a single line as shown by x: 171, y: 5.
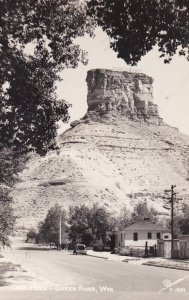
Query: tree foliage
x: 124, y: 218
x: 29, y: 109
x: 89, y: 224
x: 49, y: 228
x: 78, y: 224
x: 7, y: 217
x: 136, y: 26
x: 181, y: 221
x: 141, y: 212
x: 10, y: 166
x: 32, y: 235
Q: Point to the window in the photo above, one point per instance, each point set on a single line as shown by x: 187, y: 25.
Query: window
x: 135, y: 236
x: 158, y: 235
x: 81, y: 247
x: 166, y: 236
x: 149, y: 235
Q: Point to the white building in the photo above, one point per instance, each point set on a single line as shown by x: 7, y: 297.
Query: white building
x: 136, y: 235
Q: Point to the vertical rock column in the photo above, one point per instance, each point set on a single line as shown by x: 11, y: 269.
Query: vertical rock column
x: 129, y: 94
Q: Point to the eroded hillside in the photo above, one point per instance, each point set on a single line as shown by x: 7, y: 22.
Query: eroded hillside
x: 110, y: 156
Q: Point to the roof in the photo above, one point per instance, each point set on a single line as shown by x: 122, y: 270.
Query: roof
x: 145, y: 226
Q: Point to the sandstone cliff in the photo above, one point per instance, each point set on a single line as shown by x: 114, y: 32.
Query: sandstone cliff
x: 128, y: 94
x: 118, y: 154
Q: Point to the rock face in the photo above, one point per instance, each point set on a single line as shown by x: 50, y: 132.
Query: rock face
x: 125, y: 93
x: 108, y: 157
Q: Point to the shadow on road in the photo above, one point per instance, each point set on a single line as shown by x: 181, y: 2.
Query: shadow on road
x: 33, y: 248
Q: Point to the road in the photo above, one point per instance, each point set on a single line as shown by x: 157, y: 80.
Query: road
x: 61, y: 275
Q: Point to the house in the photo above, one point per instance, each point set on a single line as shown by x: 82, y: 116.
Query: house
x: 136, y: 235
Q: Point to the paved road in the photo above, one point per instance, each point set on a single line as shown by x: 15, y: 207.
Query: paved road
x: 62, y: 275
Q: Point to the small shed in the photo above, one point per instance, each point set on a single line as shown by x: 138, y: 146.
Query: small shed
x: 164, y: 248
x: 180, y: 247
x: 184, y: 246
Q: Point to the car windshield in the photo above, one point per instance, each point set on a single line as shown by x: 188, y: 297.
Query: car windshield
x: 81, y: 247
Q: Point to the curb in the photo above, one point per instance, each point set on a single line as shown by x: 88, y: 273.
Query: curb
x: 108, y: 258
x: 97, y: 256
x: 166, y: 267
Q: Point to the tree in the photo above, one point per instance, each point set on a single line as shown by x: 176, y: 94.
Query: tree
x: 89, y: 224
x: 49, y: 229
x: 136, y: 26
x: 79, y: 230
x: 124, y: 219
x: 100, y: 222
x: 29, y: 110
x: 142, y: 212
x: 10, y: 166
x: 7, y: 217
x: 32, y: 235
x: 181, y: 221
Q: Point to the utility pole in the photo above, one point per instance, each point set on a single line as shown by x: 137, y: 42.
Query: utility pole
x: 171, y: 202
x: 172, y: 218
x: 60, y: 231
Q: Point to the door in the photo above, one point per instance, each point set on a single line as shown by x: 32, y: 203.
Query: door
x: 167, y: 249
x: 160, y: 248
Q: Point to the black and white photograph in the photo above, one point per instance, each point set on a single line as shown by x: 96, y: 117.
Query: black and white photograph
x: 94, y: 149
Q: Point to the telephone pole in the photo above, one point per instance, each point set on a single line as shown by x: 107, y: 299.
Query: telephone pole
x: 172, y: 218
x: 171, y: 207
x: 60, y: 231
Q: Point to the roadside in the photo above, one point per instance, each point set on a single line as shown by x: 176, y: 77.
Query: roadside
x: 15, y: 274
x: 169, y: 263
x: 114, y: 257
x: 154, y: 261
x: 12, y: 273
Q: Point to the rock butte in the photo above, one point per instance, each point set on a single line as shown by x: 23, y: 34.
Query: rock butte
x: 121, y: 152
x: 128, y: 93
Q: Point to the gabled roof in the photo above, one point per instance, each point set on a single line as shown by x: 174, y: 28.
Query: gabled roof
x: 145, y: 226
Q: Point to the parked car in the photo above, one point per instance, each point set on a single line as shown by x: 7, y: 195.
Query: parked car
x: 80, y: 249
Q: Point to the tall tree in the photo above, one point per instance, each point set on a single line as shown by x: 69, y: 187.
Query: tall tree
x: 7, y: 217
x: 89, y: 224
x: 79, y: 230
x: 10, y: 166
x: 142, y: 212
x: 100, y: 222
x: 124, y: 218
x: 29, y: 110
x: 49, y: 228
x: 181, y: 221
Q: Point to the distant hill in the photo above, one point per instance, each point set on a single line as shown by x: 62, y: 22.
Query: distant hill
x: 121, y: 152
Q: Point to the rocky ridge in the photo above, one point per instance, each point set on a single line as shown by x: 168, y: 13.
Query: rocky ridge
x: 121, y: 152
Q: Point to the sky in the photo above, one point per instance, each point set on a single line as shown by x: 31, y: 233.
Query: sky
x: 171, y: 81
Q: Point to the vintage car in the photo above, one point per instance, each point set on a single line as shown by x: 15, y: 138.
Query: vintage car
x: 80, y: 249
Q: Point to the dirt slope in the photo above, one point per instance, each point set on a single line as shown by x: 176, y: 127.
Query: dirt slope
x: 114, y: 164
